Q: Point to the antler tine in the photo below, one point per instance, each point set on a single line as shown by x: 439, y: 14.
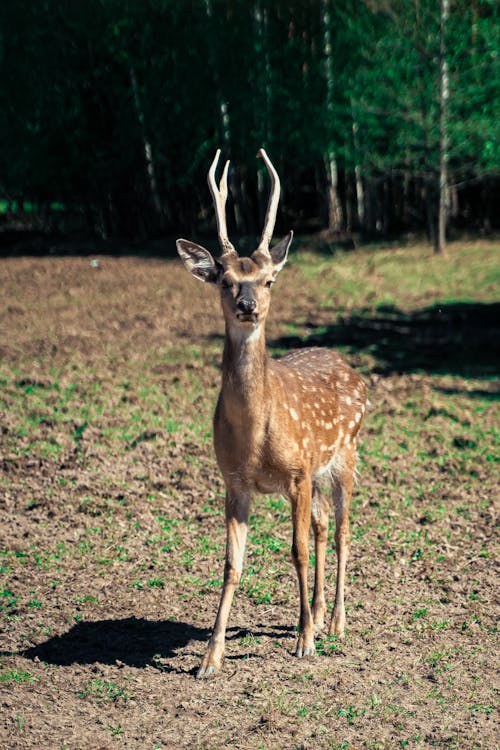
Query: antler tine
x: 219, y: 196
x: 272, y: 207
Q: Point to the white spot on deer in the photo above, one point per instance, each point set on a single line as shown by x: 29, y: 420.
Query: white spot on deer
x: 351, y: 424
x: 348, y: 400
x: 328, y: 425
x: 358, y: 416
x: 293, y: 414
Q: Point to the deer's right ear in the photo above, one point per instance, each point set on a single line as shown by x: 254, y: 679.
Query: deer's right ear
x: 199, y: 261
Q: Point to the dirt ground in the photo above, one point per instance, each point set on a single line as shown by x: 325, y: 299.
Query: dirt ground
x: 112, y: 537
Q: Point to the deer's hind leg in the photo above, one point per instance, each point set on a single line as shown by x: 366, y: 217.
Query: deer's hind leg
x: 320, y: 512
x: 342, y: 491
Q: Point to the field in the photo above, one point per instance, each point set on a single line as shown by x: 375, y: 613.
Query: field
x: 111, y: 523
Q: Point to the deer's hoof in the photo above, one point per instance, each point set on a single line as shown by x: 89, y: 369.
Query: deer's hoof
x: 205, y: 672
x: 305, y: 647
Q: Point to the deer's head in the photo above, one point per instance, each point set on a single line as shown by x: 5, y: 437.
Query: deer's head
x: 244, y: 283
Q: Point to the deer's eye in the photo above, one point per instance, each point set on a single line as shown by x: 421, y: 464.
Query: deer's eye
x: 226, y: 284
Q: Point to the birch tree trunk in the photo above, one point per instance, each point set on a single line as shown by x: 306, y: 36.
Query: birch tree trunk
x: 444, y: 93
x: 358, y: 176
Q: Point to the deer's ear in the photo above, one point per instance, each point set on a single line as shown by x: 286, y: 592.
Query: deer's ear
x: 198, y: 261
x: 279, y: 253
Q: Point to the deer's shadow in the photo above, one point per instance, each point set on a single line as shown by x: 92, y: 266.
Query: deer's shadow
x: 134, y: 642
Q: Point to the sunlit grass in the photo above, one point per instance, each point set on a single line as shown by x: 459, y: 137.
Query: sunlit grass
x: 405, y: 277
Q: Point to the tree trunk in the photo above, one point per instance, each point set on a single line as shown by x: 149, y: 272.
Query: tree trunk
x: 330, y: 160
x: 369, y: 220
x: 440, y: 245
x: 334, y: 205
x: 360, y: 196
x: 358, y: 177
x: 147, y: 149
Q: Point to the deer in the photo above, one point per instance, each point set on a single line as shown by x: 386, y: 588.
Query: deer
x: 285, y: 426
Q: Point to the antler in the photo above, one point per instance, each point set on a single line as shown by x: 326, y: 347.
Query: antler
x: 272, y: 207
x: 220, y: 196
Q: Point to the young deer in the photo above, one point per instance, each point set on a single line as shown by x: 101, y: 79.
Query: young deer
x: 280, y: 426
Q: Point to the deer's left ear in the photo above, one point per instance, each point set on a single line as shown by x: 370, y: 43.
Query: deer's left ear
x: 279, y: 253
x: 198, y: 261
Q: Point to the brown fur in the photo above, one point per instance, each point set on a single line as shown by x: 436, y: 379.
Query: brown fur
x: 280, y: 426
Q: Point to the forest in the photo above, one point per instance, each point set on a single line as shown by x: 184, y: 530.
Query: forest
x: 381, y: 116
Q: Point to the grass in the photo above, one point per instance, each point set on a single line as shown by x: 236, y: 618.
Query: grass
x: 116, y: 533
x: 14, y: 676
x: 403, y: 277
x: 99, y: 691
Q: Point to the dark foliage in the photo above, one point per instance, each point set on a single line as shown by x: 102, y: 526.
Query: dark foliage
x: 110, y: 114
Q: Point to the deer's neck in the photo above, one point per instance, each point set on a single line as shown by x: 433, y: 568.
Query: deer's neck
x: 244, y: 374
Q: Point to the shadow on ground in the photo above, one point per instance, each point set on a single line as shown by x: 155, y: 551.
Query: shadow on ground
x: 456, y: 338
x: 134, y: 642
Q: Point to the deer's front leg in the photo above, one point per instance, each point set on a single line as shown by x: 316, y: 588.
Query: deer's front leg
x: 237, y: 511
x: 301, y: 514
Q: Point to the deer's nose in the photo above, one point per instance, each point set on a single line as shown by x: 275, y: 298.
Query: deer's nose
x: 246, y: 305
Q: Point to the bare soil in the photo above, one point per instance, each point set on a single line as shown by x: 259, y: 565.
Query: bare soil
x: 112, y: 536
